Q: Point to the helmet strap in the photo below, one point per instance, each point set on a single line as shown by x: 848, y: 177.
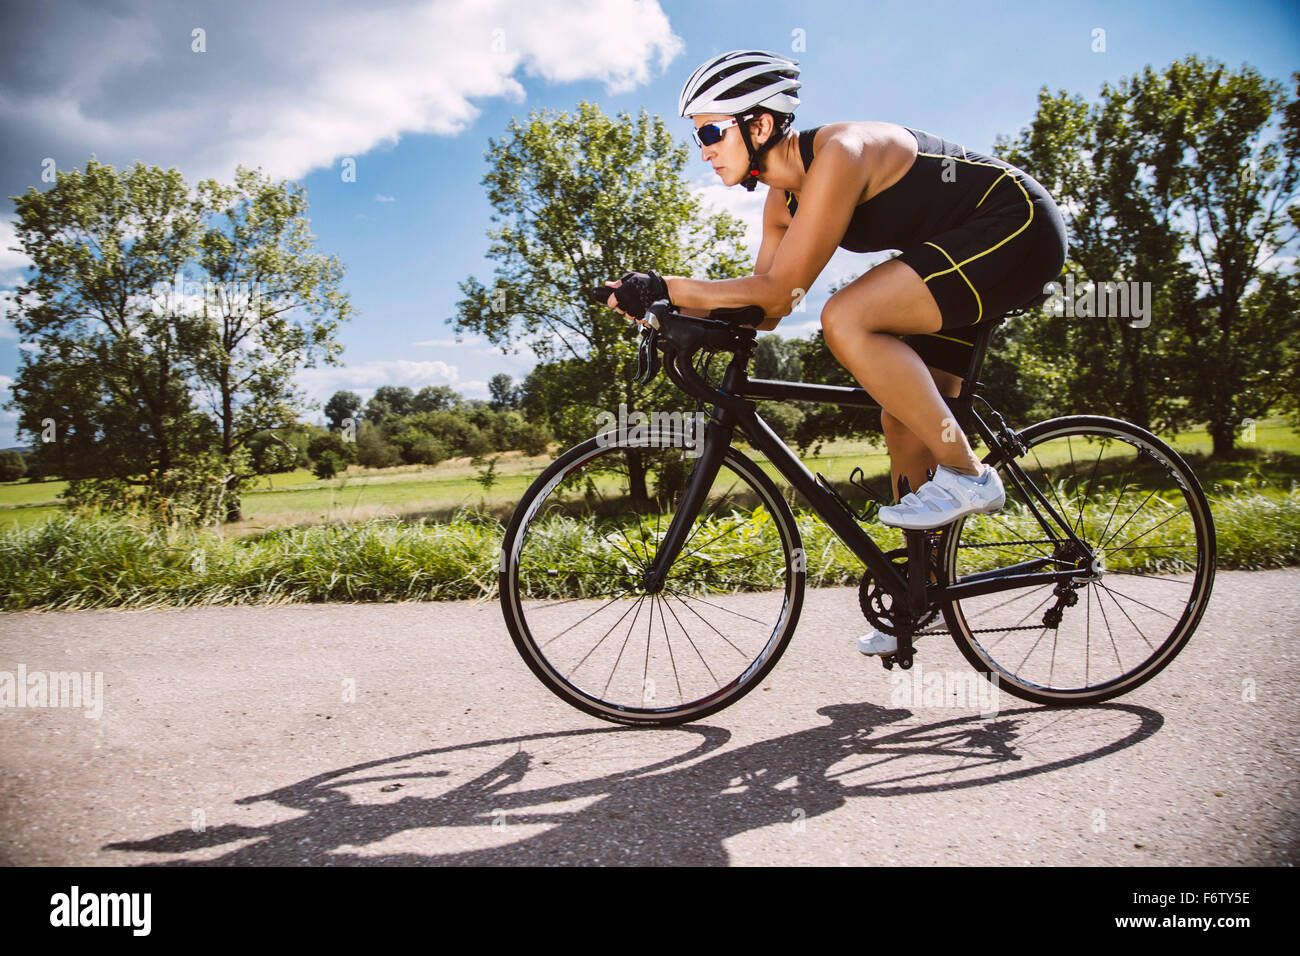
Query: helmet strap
x: 750, y: 181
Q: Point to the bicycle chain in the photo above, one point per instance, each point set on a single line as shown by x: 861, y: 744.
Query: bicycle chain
x: 1003, y: 544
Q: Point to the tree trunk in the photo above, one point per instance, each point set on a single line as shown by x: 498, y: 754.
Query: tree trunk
x: 233, y: 510
x: 1221, y: 433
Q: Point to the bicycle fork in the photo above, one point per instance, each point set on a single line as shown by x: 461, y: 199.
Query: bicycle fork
x: 717, y: 439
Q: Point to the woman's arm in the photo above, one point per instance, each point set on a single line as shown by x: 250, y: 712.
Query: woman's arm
x: 829, y: 197
x: 721, y: 293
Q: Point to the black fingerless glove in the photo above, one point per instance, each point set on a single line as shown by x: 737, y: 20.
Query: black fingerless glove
x: 638, y: 290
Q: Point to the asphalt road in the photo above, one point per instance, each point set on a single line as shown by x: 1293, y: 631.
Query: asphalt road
x: 413, y: 734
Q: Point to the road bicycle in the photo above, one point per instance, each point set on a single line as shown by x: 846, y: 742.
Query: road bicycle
x: 654, y: 575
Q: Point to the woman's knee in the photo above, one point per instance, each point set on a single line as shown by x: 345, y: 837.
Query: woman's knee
x: 842, y: 326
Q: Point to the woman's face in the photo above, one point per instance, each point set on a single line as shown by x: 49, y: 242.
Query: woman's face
x: 727, y: 156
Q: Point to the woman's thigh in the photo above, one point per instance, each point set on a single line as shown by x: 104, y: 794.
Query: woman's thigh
x: 889, y: 298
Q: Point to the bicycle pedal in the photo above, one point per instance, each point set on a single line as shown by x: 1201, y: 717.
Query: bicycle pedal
x: 887, y: 661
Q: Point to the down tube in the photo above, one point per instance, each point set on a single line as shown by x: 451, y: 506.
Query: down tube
x: 841, y: 522
x: 717, y: 439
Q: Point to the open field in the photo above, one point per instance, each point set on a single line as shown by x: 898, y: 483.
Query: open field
x: 296, y: 499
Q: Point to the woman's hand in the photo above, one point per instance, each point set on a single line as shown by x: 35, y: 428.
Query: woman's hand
x: 639, y: 289
x: 613, y: 303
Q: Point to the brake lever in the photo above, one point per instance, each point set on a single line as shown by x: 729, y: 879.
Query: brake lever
x: 647, y: 358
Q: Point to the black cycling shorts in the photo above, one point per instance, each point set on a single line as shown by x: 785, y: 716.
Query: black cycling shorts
x: 989, y: 265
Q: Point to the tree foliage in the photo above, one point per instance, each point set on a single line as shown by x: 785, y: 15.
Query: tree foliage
x: 165, y: 327
x: 1171, y: 178
x: 583, y: 199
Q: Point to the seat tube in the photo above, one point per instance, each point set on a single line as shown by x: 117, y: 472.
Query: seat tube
x: 717, y: 439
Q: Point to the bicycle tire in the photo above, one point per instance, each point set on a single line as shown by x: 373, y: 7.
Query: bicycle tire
x: 523, y: 588
x: 1158, y: 473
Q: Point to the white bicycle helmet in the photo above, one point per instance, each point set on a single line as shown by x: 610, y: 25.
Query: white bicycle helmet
x: 741, y: 83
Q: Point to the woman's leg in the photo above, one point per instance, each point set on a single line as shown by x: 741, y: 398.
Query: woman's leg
x: 861, y: 323
x: 908, y: 455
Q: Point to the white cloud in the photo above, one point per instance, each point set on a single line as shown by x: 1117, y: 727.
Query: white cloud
x: 298, y: 86
x: 7, y: 330
x: 380, y: 197
x: 12, y: 263
x: 744, y: 205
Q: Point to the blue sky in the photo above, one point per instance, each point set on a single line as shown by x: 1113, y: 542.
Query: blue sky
x: 413, y: 91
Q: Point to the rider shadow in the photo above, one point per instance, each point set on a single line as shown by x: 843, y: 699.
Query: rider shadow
x: 650, y: 815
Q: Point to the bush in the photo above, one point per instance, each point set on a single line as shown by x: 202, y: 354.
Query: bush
x: 328, y: 465
x: 12, y: 466
x: 323, y: 442
x: 535, y: 439
x: 783, y: 417
x: 421, y: 449
x: 198, y: 490
x: 374, y: 450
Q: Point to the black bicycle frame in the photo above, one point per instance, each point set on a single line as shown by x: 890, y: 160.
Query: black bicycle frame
x: 733, y: 406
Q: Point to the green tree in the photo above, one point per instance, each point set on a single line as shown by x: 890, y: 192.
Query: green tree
x: 435, y: 398
x: 12, y: 466
x: 271, y: 305
x: 340, y: 407
x: 777, y: 358
x: 502, y: 389
x: 147, y: 299
x: 398, y: 399
x: 1169, y: 180
x: 583, y: 199
x: 105, y: 392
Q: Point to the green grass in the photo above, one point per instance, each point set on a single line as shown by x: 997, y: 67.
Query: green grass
x: 106, y: 561
x: 417, y: 533
x: 300, y: 499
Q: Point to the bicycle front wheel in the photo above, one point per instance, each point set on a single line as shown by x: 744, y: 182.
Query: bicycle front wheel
x: 575, y: 601
x: 1145, y: 563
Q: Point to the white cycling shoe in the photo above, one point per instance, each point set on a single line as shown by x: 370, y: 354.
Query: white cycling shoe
x: 945, y: 498
x: 878, y: 642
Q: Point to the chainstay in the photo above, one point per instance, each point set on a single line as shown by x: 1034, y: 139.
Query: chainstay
x: 987, y: 630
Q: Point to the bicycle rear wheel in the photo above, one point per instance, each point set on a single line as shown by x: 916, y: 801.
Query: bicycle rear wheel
x: 1146, y: 569
x: 578, y: 610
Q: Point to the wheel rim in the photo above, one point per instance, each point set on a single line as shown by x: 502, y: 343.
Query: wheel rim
x: 586, y: 623
x: 1141, y: 587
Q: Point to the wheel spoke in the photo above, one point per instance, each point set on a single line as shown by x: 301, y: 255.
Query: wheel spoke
x: 1142, y: 520
x: 582, y: 563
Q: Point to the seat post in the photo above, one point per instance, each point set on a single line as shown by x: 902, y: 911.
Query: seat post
x: 980, y: 349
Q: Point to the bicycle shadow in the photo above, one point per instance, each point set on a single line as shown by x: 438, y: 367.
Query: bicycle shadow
x: 674, y: 811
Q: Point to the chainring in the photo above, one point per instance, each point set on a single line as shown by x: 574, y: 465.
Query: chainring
x: 877, y: 604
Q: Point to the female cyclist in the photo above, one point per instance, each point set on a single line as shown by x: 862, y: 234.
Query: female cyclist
x: 978, y: 236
